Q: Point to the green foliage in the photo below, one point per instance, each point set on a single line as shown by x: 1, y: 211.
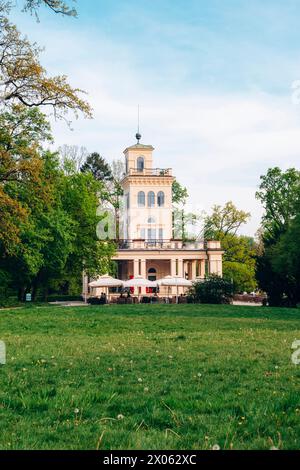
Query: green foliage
x: 224, y: 221
x: 278, y: 263
x: 213, y: 290
x: 242, y: 275
x: 279, y: 193
x: 98, y: 167
x: 57, y: 219
x: 240, y: 251
x: 179, y: 193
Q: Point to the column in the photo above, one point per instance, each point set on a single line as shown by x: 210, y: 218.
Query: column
x: 194, y: 269
x: 135, y: 267
x: 143, y: 268
x: 143, y: 274
x: 180, y: 268
x: 202, y: 269
x: 173, y: 267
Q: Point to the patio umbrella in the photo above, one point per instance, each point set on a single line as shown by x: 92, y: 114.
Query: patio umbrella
x: 139, y: 281
x: 106, y: 281
x: 175, y: 281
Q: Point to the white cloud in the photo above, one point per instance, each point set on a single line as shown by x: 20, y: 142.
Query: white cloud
x: 217, y: 143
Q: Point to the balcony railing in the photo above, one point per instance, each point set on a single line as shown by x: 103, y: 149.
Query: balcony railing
x: 149, y: 172
x: 141, y: 244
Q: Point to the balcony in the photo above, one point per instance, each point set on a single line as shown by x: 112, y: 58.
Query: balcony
x: 141, y: 244
x: 149, y: 172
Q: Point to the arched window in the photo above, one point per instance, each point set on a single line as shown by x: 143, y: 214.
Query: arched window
x: 141, y: 199
x: 140, y: 164
x: 151, y: 199
x: 160, y: 199
x: 152, y: 274
x: 151, y: 220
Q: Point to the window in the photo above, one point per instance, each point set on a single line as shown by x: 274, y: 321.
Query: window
x: 141, y: 199
x: 140, y: 164
x: 143, y: 234
x: 161, y: 199
x: 127, y: 200
x: 151, y: 199
x: 160, y: 234
x: 151, y: 234
x: 126, y: 161
x: 151, y: 220
x: 152, y: 274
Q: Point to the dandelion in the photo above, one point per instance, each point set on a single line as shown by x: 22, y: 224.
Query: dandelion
x: 276, y: 367
x: 170, y: 357
x: 120, y: 417
x: 140, y: 380
x: 199, y: 375
x: 216, y: 447
x: 76, y: 411
x: 274, y: 448
x: 146, y: 389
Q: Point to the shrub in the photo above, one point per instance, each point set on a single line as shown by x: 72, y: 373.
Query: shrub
x: 212, y: 290
x: 63, y: 298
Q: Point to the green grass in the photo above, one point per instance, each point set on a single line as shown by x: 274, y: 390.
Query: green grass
x: 181, y: 377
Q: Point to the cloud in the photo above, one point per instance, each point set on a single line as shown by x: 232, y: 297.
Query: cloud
x: 217, y: 140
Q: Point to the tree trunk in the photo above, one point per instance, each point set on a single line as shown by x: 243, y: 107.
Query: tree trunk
x: 21, y: 294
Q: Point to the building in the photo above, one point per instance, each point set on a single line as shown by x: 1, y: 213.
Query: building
x: 147, y: 246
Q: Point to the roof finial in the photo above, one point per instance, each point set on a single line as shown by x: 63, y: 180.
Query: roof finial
x: 138, y: 135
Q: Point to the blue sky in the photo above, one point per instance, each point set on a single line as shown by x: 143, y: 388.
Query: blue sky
x: 213, y: 79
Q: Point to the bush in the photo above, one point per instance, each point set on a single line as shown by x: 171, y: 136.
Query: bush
x: 213, y: 290
x: 64, y: 298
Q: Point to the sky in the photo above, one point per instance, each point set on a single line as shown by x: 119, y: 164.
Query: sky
x: 217, y: 82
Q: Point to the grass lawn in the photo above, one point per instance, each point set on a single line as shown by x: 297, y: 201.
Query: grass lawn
x: 149, y: 377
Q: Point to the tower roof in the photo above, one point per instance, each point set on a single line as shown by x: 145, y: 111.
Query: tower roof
x: 139, y: 147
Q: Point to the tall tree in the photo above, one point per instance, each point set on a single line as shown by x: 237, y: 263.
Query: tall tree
x: 224, y: 220
x: 22, y: 130
x: 277, y: 263
x: 98, y: 167
x: 239, y: 257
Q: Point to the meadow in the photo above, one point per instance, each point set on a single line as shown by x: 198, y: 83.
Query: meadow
x: 149, y: 377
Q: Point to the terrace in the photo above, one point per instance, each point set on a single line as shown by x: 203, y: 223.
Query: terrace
x: 143, y: 244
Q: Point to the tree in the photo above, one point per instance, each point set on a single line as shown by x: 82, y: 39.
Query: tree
x: 21, y: 132
x: 72, y: 157
x: 214, y: 290
x: 24, y: 80
x: 224, y: 220
x: 279, y: 193
x: 98, y: 167
x: 58, y: 6
x: 240, y: 251
x: 179, y: 193
x: 277, y: 263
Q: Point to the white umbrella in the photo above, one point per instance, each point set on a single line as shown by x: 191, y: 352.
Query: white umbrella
x: 106, y: 281
x: 139, y: 281
x: 175, y: 281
